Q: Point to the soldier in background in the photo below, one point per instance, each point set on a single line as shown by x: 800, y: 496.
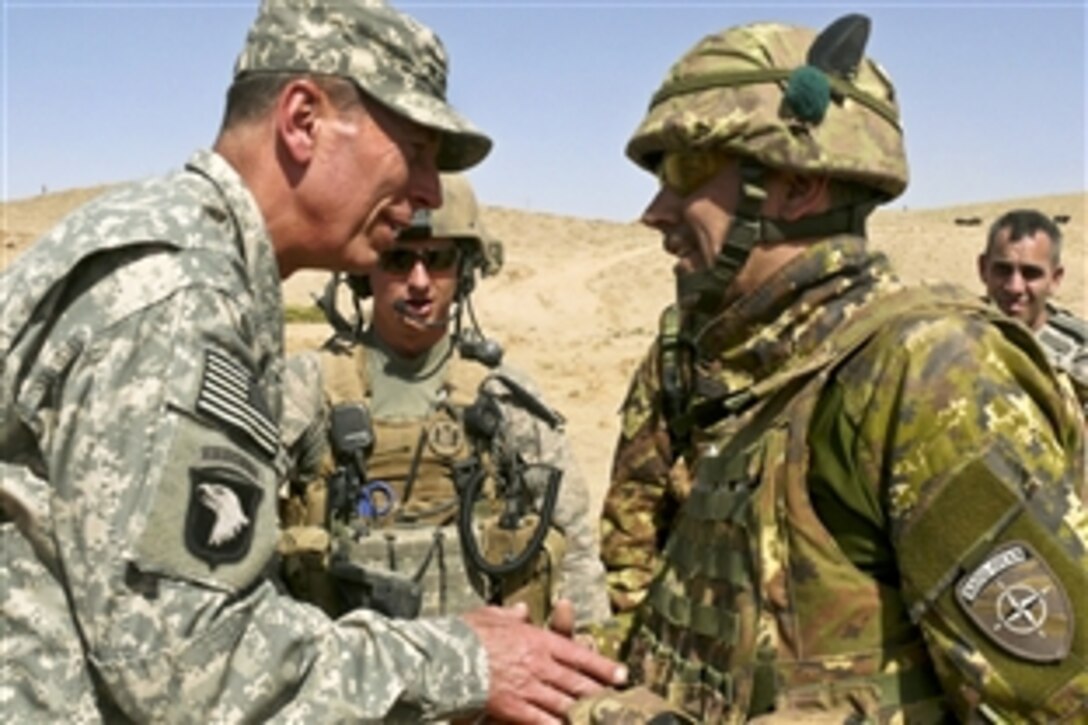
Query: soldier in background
x: 141, y: 367
x: 880, y: 521
x: 1021, y: 268
x: 418, y: 382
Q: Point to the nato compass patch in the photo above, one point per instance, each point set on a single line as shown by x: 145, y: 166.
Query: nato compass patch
x: 1014, y: 598
x: 229, y: 393
x: 221, y: 515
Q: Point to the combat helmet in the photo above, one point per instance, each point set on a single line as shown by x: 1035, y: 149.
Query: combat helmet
x: 458, y: 219
x: 781, y: 97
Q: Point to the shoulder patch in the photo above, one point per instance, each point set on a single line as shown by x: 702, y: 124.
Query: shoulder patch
x: 1016, y: 600
x: 221, y: 515
x: 229, y: 394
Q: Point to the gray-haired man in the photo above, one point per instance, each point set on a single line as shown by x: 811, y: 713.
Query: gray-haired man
x: 141, y: 392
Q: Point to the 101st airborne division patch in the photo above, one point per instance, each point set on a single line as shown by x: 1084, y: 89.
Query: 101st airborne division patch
x: 1015, y: 599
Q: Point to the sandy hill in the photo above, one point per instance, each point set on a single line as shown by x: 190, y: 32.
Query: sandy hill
x: 577, y: 302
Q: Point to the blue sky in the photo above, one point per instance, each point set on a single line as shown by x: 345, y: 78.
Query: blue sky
x: 993, y: 94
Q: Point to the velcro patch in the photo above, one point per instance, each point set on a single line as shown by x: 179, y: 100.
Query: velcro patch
x: 221, y: 516
x: 445, y: 437
x: 1016, y: 600
x: 229, y: 393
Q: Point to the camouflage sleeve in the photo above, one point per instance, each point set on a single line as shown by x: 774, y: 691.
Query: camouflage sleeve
x: 304, y: 415
x: 643, y: 492
x: 581, y: 572
x: 1077, y: 379
x: 164, y: 460
x: 976, y: 457
x: 1064, y: 337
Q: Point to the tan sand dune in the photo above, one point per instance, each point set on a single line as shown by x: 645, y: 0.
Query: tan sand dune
x: 577, y: 302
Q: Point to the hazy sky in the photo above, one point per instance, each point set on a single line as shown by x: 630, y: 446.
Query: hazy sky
x: 993, y: 94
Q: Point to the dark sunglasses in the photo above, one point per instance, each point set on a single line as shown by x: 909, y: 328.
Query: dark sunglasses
x: 403, y: 259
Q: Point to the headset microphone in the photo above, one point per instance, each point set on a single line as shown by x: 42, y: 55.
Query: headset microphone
x: 471, y: 343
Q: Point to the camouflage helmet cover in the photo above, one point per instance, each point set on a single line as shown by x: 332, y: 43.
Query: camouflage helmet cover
x: 459, y: 219
x: 394, y: 58
x: 728, y: 93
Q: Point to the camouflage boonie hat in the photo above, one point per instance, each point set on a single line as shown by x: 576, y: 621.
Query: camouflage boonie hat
x: 729, y: 91
x: 459, y: 219
x: 395, y: 59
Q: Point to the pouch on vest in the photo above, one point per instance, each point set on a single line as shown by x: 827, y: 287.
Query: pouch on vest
x: 304, y: 553
x: 536, y: 583
x: 424, y: 561
x: 388, y: 592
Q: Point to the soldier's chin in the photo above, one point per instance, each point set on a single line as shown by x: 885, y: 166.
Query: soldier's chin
x: 1018, y: 311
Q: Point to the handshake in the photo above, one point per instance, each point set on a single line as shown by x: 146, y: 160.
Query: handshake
x: 538, y: 676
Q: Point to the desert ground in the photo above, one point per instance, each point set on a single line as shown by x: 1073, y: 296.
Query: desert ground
x: 577, y: 301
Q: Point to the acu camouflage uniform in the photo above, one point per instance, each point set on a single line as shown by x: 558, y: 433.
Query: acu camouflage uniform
x: 417, y: 409
x: 142, y: 376
x: 1064, y: 338
x: 883, y: 519
x: 141, y: 393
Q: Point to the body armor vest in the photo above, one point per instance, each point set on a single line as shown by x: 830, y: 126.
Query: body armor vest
x: 755, y: 607
x: 406, y: 559
x: 423, y: 450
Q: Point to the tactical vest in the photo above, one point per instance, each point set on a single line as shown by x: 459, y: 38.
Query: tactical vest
x: 410, y: 561
x: 747, y: 611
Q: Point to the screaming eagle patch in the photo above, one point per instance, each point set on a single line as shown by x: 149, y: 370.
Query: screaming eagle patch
x: 1016, y: 600
x: 221, y: 515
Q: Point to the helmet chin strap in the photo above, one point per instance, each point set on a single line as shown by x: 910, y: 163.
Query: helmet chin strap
x: 703, y: 292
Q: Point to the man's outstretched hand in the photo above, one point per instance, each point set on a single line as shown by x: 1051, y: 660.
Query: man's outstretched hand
x: 537, y: 674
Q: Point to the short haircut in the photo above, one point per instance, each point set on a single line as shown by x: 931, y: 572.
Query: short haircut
x: 1025, y: 223
x: 253, y: 95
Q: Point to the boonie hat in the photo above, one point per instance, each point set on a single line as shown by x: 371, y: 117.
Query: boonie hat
x: 391, y: 56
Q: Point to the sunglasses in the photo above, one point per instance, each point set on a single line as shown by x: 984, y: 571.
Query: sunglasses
x: 685, y: 171
x: 402, y: 260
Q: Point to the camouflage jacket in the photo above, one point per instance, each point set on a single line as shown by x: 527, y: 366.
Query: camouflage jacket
x: 649, y: 482
x: 141, y: 391
x: 401, y: 392
x: 858, y: 476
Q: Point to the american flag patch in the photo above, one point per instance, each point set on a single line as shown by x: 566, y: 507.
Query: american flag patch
x: 229, y: 394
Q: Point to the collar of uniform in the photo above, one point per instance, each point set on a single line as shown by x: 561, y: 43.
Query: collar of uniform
x: 255, y: 246
x: 404, y: 389
x: 789, y: 315
x: 413, y: 369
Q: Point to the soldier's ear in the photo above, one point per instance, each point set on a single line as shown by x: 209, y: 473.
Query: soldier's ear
x: 297, y: 115
x: 1059, y: 272
x: 804, y: 196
